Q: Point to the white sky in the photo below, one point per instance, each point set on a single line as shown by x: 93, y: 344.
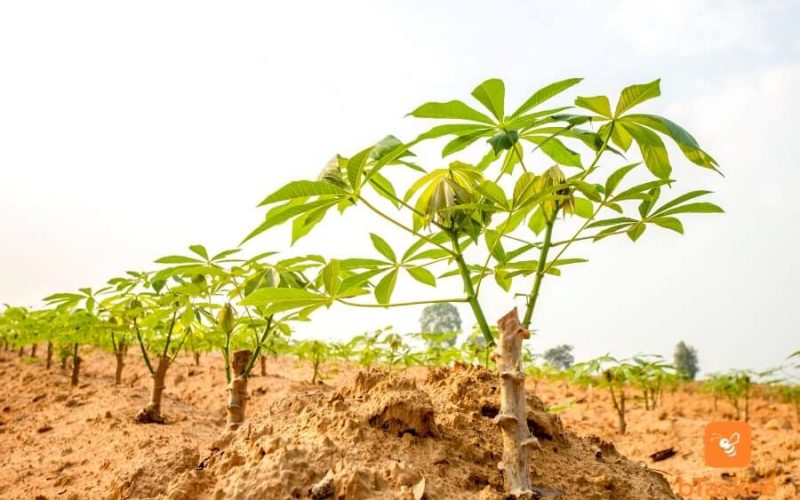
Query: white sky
x: 131, y: 130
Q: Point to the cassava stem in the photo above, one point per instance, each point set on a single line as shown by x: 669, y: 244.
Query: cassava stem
x: 512, y: 418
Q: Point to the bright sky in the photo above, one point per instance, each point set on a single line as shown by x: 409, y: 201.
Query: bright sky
x: 131, y: 130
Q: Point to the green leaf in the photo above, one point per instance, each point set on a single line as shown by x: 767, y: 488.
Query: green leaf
x: 492, y: 94
x: 331, y: 278
x: 460, y: 143
x: 591, y: 191
x: 556, y: 150
x: 388, y: 149
x: 282, y: 299
x: 452, y: 129
x: 637, y: 94
x: 599, y: 104
x: 422, y: 275
x: 619, y: 135
x: 565, y: 262
x: 537, y: 222
x: 303, y: 224
x: 362, y: 263
x: 583, y: 208
x: 199, y: 250
x: 225, y: 253
x: 653, y: 151
x: 177, y: 259
x: 384, y: 188
x: 545, y: 93
x: 680, y: 199
x: 647, y: 204
x: 609, y: 231
x: 303, y: 189
x: 693, y: 208
x: 669, y: 223
x: 356, y: 165
x: 385, y: 287
x: 283, y: 213
x: 455, y: 110
x: 502, y: 279
x: 355, y: 282
x: 512, y: 157
x: 636, y: 192
x: 383, y: 247
x: 687, y: 144
x: 503, y: 140
x: 494, y: 245
x: 636, y: 231
x: 494, y: 192
x: 432, y: 254
x: 524, y: 188
x: 611, y: 222
x: 615, y: 178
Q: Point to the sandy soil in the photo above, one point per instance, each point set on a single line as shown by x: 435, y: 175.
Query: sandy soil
x: 371, y: 435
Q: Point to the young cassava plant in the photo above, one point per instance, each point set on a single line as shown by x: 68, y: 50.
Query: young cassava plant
x: 529, y: 184
x: 212, y: 282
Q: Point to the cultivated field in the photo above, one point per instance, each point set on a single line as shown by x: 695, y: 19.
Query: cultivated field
x: 412, y: 433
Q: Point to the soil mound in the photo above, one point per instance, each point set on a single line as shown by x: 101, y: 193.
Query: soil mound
x: 386, y: 436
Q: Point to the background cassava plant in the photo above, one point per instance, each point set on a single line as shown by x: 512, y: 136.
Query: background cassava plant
x: 529, y: 184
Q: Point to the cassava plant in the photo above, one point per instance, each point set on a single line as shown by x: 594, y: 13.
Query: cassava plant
x: 315, y: 352
x: 212, y: 283
x: 529, y: 184
x: 614, y: 375
x: 77, y: 321
x: 736, y: 387
x: 161, y: 314
x: 651, y: 375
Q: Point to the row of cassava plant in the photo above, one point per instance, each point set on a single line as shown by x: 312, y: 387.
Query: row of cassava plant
x: 529, y: 185
x: 188, y: 304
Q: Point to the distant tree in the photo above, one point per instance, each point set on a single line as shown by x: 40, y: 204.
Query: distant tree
x: 686, y: 361
x: 560, y: 356
x: 441, y: 318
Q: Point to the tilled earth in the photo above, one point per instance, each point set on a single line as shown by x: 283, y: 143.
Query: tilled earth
x: 359, y: 435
